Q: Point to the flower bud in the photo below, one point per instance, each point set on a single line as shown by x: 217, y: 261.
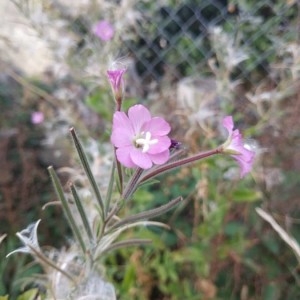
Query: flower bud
x: 116, y: 80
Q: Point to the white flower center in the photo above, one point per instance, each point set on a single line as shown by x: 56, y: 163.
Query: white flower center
x: 146, y: 141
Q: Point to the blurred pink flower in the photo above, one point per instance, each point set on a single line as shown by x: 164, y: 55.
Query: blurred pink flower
x: 141, y: 140
x: 103, y: 30
x: 37, y: 117
x: 235, y: 147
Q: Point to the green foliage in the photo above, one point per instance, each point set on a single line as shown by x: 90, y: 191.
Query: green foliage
x: 217, y: 254
x: 100, y: 100
x: 29, y: 295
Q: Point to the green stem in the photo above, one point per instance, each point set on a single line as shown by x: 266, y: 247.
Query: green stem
x: 120, y: 174
x: 178, y: 163
x: 132, y: 184
x: 110, y: 188
x: 129, y: 190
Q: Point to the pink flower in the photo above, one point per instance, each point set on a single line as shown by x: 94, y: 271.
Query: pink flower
x: 103, y: 30
x: 37, y: 117
x: 115, y: 77
x: 141, y: 140
x: 235, y: 147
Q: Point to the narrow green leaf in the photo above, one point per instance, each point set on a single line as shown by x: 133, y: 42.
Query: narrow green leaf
x: 110, y: 188
x: 148, y: 214
x: 87, y: 169
x: 109, y: 238
x: 60, y: 194
x: 127, y: 243
x: 82, y: 212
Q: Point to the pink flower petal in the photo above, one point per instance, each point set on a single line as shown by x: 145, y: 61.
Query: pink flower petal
x: 122, y: 133
x: 160, y: 158
x: 138, y: 116
x: 228, y: 124
x: 158, y: 126
x: 121, y: 138
x: 123, y: 156
x: 236, y: 141
x: 245, y: 161
x: 141, y: 159
x: 120, y: 120
x: 162, y: 145
x: 234, y: 144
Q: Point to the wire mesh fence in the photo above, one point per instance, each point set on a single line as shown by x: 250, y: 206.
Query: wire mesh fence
x: 173, y: 38
x: 181, y: 38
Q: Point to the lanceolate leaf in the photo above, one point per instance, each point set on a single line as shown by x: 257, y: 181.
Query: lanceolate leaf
x: 128, y: 243
x: 87, y: 169
x: 149, y: 214
x: 60, y: 194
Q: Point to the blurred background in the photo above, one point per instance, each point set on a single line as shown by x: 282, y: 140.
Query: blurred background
x: 193, y: 62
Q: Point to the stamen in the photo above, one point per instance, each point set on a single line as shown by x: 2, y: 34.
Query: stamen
x: 146, y: 142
